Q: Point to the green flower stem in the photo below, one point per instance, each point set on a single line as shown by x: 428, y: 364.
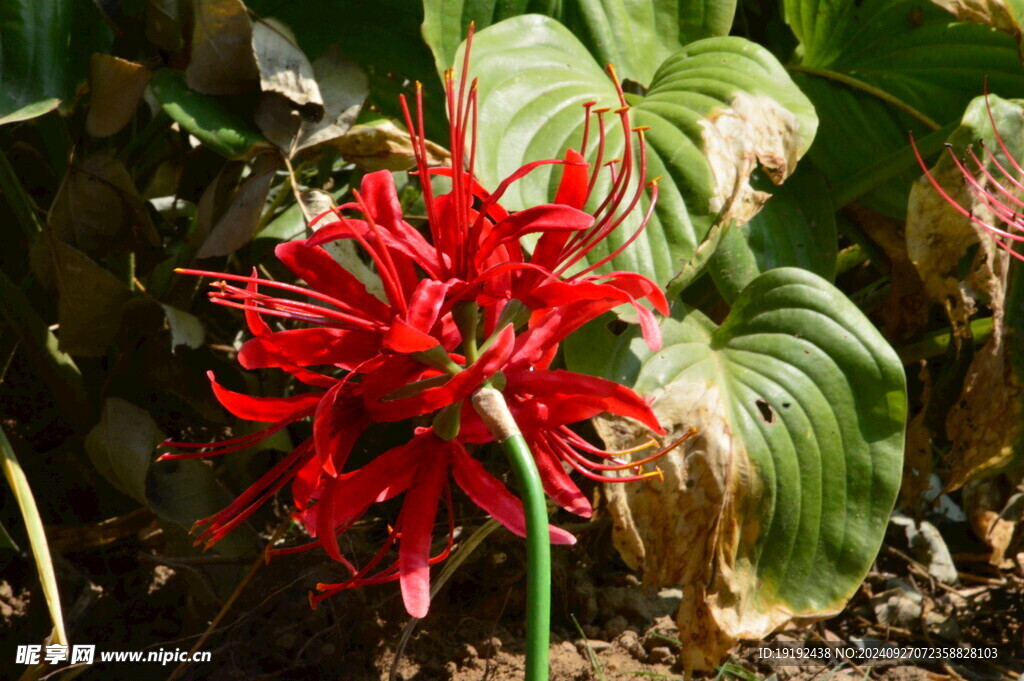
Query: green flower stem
x: 538, y: 558
x: 491, y: 406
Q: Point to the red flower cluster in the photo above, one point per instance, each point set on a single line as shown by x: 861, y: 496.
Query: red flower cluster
x: 465, y: 309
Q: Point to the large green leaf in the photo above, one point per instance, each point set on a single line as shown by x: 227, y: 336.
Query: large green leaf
x: 635, y: 35
x: 800, y: 404
x: 212, y: 120
x: 796, y: 228
x: 44, y: 52
x: 712, y: 108
x: 879, y: 68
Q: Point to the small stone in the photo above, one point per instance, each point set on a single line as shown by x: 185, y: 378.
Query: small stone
x: 568, y: 646
x: 629, y: 641
x: 451, y: 669
x: 490, y: 647
x: 591, y: 630
x: 942, y: 626
x: 614, y: 627
x: 660, y: 655
x: 466, y: 652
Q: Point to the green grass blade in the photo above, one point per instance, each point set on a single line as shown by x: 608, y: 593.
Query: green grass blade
x: 36, y: 535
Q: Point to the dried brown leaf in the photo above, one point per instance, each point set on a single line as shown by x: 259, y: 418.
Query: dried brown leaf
x: 116, y: 86
x: 752, y: 130
x: 984, y: 501
x: 985, y: 424
x: 919, y: 457
x: 385, y: 147
x: 91, y: 300
x: 222, y: 61
x: 906, y: 309
x: 238, y: 224
x: 344, y: 87
x: 98, y: 208
x: 163, y: 24
x: 938, y: 237
x: 284, y: 68
x: 994, y: 13
x: 686, y: 530
x: 278, y: 120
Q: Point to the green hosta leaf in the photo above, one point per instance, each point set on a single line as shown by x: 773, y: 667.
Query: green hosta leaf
x: 206, y: 117
x: 712, y: 108
x: 635, y: 35
x: 879, y: 68
x: 800, y: 406
x: 44, y: 52
x: 797, y: 227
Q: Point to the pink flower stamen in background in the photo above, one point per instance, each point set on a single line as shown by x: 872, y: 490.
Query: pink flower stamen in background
x: 989, y: 190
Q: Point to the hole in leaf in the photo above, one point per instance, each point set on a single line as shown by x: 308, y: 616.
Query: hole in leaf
x: 617, y: 327
x: 767, y: 415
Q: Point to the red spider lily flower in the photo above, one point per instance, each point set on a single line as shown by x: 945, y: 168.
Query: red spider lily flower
x: 1001, y: 195
x: 463, y: 309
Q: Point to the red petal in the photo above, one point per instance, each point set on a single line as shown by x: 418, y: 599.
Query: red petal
x: 395, y: 372
x: 458, y: 387
x: 419, y: 510
x: 381, y: 197
x: 305, y: 483
x: 557, y: 483
x: 348, y: 496
x: 546, y: 218
x: 425, y: 304
x: 304, y: 347
x: 257, y: 326
x: 560, y: 388
x: 317, y: 268
x: 403, y: 338
x: 572, y: 190
x: 553, y: 327
x: 488, y: 493
x: 265, y: 409
x: 339, y: 421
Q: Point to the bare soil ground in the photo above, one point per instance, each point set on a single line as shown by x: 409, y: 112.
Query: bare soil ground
x: 125, y: 596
